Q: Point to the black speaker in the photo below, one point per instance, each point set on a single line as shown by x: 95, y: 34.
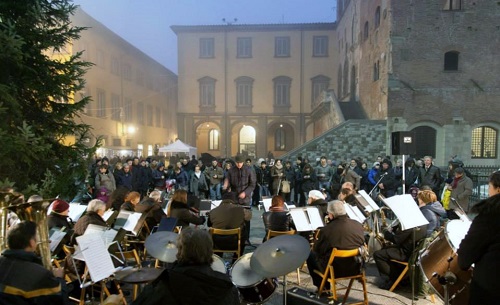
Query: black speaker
x: 403, y: 143
x: 300, y: 296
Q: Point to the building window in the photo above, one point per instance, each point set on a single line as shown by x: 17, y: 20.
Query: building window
x: 207, y: 91
x: 282, y: 47
x: 127, y: 109
x: 139, y: 78
x: 149, y: 112
x: 116, y: 109
x: 339, y: 83
x: 376, y: 23
x: 452, y: 5
x: 451, y: 61
x: 244, y: 87
x: 213, y: 139
x: 115, y: 66
x: 484, y: 143
x: 127, y: 72
x: 244, y: 47
x: 158, y: 117
x: 140, y: 113
x: 100, y: 59
x: 345, y: 81
x: 165, y: 119
x: 282, y: 91
x: 101, y: 103
x: 365, y: 31
x: 279, y: 139
x: 320, y: 46
x: 206, y: 48
x: 376, y: 71
x: 320, y: 83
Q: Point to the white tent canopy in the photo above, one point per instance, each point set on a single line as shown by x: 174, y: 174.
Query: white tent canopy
x: 179, y: 147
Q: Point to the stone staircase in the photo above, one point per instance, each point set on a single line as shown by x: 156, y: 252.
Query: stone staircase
x: 352, y: 138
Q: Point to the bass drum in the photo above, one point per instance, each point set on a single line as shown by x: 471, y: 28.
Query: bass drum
x: 440, y: 259
x: 218, y: 264
x: 253, y: 288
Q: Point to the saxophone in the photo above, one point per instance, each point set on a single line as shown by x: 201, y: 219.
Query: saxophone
x: 7, y: 197
x: 35, y: 210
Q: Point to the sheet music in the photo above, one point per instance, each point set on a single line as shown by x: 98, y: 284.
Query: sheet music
x: 289, y: 206
x: 306, y: 219
x: 374, y: 206
x: 96, y: 256
x: 354, y: 213
x: 76, y: 211
x: 407, y: 211
x: 107, y: 235
x: 315, y: 217
x: 107, y: 214
x: 215, y: 203
x: 55, y: 239
x: 266, y: 202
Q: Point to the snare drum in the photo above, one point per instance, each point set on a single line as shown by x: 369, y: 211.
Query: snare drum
x: 253, y: 288
x: 440, y: 257
x: 218, y: 264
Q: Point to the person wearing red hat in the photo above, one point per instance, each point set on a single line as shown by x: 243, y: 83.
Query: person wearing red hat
x: 58, y: 217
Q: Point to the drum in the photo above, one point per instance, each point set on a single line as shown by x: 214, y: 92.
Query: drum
x: 440, y: 260
x: 218, y: 264
x: 252, y: 287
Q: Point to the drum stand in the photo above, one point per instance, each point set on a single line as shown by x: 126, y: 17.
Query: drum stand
x: 284, y: 289
x: 449, y: 278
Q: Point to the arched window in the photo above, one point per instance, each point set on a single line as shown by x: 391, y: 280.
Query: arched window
x: 376, y: 22
x: 244, y: 85
x: 451, y: 61
x: 280, y: 139
x: 213, y: 139
x: 345, y: 81
x: 365, y: 31
x: 282, y: 91
x: 339, y: 83
x: 320, y: 83
x: 207, y: 91
x: 484, y: 142
x: 376, y: 71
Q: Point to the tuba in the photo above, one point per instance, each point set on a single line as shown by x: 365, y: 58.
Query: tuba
x: 35, y: 210
x: 7, y: 197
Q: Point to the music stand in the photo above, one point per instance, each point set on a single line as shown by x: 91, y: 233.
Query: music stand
x: 410, y: 217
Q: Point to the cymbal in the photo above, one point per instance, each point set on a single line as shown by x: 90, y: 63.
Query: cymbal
x: 162, y: 246
x: 138, y: 275
x: 280, y: 255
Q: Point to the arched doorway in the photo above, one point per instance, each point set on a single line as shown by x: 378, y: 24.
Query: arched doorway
x: 425, y: 138
x: 247, y: 141
x: 208, y: 138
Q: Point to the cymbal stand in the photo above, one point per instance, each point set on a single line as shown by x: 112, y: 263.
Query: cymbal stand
x: 447, y: 279
x: 284, y: 289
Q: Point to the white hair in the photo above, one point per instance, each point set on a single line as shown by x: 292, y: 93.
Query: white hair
x: 96, y: 205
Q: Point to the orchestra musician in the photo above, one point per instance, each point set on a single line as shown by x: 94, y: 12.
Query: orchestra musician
x: 23, y: 279
x: 403, y: 244
x: 277, y: 218
x: 342, y: 233
x: 179, y: 209
x: 481, y: 247
x: 191, y: 280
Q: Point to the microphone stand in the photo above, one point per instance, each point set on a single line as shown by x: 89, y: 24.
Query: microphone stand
x: 376, y: 185
x: 460, y: 208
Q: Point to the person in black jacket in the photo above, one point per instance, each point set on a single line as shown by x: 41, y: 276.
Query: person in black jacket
x: 481, y: 247
x: 341, y: 233
x: 388, y: 184
x: 277, y: 218
x: 58, y: 217
x: 179, y: 209
x: 23, y: 279
x: 191, y: 280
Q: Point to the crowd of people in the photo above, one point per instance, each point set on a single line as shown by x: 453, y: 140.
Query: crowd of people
x: 140, y: 185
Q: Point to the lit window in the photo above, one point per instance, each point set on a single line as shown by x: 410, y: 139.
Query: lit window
x: 279, y: 139
x: 213, y: 139
x: 484, y: 143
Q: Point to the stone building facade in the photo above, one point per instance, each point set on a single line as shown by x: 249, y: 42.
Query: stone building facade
x: 134, y: 98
